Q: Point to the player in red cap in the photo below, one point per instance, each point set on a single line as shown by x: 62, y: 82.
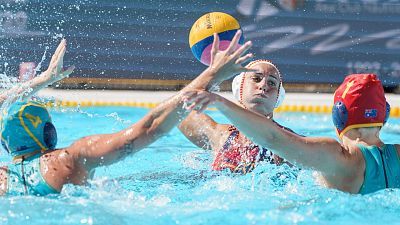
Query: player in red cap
x: 359, y: 163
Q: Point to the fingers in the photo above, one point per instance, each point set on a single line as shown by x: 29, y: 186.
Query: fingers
x: 246, y: 70
x: 56, y: 52
x: 56, y: 64
x: 245, y: 58
x: 60, y: 47
x: 215, y: 47
x: 201, y: 100
x: 60, y: 59
x: 198, y: 102
x: 242, y: 50
x: 68, y: 71
x: 189, y: 105
x: 186, y: 97
x: 234, y: 42
x: 192, y: 98
x: 188, y: 94
x: 204, y: 106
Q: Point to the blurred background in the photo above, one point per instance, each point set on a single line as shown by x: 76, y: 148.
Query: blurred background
x: 143, y: 44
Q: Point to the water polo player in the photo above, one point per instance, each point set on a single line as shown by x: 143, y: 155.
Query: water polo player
x: 260, y: 92
x: 359, y: 163
x: 40, y: 168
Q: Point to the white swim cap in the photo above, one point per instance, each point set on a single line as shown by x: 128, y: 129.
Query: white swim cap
x: 237, y: 83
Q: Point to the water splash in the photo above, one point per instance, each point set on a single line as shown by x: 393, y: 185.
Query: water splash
x: 39, y: 65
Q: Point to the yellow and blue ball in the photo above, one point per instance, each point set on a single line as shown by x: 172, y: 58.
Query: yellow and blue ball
x: 201, y: 35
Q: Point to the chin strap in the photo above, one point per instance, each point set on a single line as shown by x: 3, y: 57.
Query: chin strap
x: 21, y: 158
x: 23, y: 174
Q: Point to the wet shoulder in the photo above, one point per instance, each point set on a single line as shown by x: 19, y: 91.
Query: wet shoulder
x: 60, y: 162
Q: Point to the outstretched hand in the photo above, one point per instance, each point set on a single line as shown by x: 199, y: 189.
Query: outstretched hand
x: 53, y: 74
x: 228, y: 63
x: 55, y: 70
x: 199, y: 100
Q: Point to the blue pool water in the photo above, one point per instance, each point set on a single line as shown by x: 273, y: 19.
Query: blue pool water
x: 170, y: 182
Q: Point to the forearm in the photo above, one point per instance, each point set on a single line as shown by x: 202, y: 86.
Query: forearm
x: 261, y: 130
x: 205, y: 81
x: 323, y: 154
x: 29, y: 87
x: 39, y: 82
x: 158, y: 122
x: 197, y: 127
x: 110, y: 148
x: 163, y: 118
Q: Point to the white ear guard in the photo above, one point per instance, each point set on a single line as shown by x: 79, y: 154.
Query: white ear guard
x: 281, y: 96
x: 236, y: 83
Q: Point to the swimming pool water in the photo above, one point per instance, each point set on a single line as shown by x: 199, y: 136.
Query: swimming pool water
x: 170, y: 182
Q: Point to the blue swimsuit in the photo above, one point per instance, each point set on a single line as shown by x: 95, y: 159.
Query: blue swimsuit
x: 25, y: 178
x: 382, y: 168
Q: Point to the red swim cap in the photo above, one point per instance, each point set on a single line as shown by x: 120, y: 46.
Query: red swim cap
x: 359, y: 102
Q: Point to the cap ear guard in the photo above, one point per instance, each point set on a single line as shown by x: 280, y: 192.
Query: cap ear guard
x: 387, y: 113
x: 281, y: 96
x: 50, y: 135
x: 236, y: 83
x: 339, y: 115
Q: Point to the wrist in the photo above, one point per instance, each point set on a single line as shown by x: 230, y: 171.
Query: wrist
x: 212, y: 73
x: 219, y: 101
x: 43, y: 77
x: 39, y: 79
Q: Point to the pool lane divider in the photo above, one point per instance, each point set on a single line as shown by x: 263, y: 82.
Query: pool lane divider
x: 395, y: 111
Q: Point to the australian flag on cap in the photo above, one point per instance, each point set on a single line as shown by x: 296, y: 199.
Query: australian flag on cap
x: 370, y: 113
x: 359, y: 102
